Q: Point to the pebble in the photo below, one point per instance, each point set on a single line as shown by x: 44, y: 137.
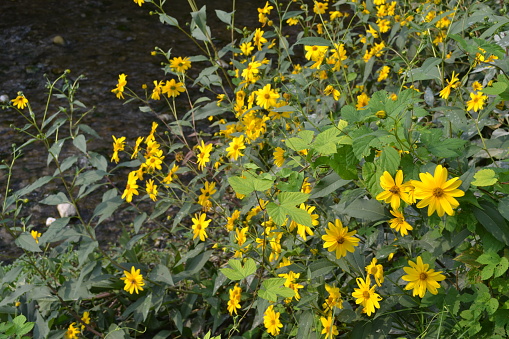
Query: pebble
x: 66, y: 210
x: 58, y: 40
x: 4, y: 98
x: 50, y: 220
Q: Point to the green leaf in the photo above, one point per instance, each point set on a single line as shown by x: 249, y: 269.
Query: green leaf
x: 492, y: 306
x: 496, y: 88
x: 345, y: 163
x: 325, y: 142
x: 389, y: 159
x: 492, y: 221
x: 501, y: 268
x: 485, y: 177
x: 250, y: 183
x: 106, y: 208
x: 138, y: 221
x: 272, y: 287
x: 292, y: 198
x: 487, y: 272
x: 55, y: 199
x: 361, y: 145
x: 161, y: 273
x: 27, y: 242
x: 369, y: 210
x: 166, y: 19
x: 237, y: 271
x: 314, y: 41
x: 488, y: 258
x: 224, y: 17
x: 81, y: 143
x: 38, y: 183
x: 328, y: 185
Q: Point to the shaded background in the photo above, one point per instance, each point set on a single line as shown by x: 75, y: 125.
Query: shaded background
x: 100, y: 39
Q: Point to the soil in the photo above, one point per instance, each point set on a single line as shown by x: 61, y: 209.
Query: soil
x: 99, y: 39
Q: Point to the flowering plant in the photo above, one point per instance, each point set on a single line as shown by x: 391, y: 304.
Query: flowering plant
x: 344, y: 177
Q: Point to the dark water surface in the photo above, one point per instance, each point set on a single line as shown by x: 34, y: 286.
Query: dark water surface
x: 100, y: 39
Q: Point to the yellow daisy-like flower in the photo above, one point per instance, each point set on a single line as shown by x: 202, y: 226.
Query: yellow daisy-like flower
x: 329, y: 329
x: 173, y: 88
x: 266, y: 97
x: 151, y: 189
x: 20, y: 102
x: 36, y: 235
x: 180, y: 65
x: 131, y: 187
x: 119, y: 90
x: 438, y: 193
x: 199, y: 226
x: 393, y: 190
x: 271, y: 321
x: 204, y: 155
x: 399, y: 223
x: 279, y: 154
x: 365, y: 295
x: 86, y: 319
x: 72, y: 332
x: 246, y: 48
x: 139, y: 2
x: 235, y: 148
x: 476, y: 102
x: 234, y: 301
x: 376, y: 270
x: 420, y: 278
x: 320, y: 7
x: 258, y: 38
x: 339, y: 239
x: 133, y: 281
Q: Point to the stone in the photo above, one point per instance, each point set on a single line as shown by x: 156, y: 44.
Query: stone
x: 66, y: 210
x: 58, y: 40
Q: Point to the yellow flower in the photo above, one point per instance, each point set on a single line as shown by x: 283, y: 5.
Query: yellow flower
x: 36, y: 235
x: 20, y: 102
x: 266, y: 97
x: 476, y: 86
x: 333, y: 300
x: 316, y: 54
x: 438, y: 193
x: 292, y: 21
x: 365, y: 295
x: 118, y: 145
x: 320, y: 7
x: 271, y: 321
x: 199, y: 226
x: 231, y: 220
x: 156, y: 92
x: 119, y: 90
x: 180, y: 65
x: 151, y: 189
x: 376, y: 270
x: 131, y: 187
x: 399, y: 223
x: 258, y: 38
x: 393, y: 190
x: 290, y: 282
x: 250, y: 73
x: 301, y: 229
x: 136, y: 149
x: 139, y: 2
x: 246, y: 48
x: 339, y: 239
x: 235, y: 147
x: 329, y: 90
x: 279, y: 154
x: 133, y: 281
x: 362, y: 101
x: 234, y: 301
x: 204, y: 155
x: 86, y: 319
x: 329, y: 329
x: 476, y: 102
x: 173, y: 88
x: 72, y: 332
x: 420, y: 278
x: 383, y: 73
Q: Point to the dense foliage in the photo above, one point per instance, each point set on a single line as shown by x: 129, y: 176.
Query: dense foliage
x: 339, y: 171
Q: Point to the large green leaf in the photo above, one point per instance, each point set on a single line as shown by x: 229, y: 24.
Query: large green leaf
x: 272, y: 288
x: 237, y: 271
x: 492, y: 221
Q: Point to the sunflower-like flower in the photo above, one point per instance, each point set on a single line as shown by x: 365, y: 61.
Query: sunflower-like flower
x: 399, y: 223
x: 271, y: 321
x: 365, y: 295
x: 339, y: 239
x: 199, y: 226
x: 393, y: 190
x: 438, y: 193
x: 234, y: 301
x: 420, y: 278
x: 133, y: 281
x: 377, y: 271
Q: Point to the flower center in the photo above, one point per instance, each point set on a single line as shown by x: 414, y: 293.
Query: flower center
x: 340, y: 240
x: 394, y: 190
x: 423, y: 276
x: 267, y: 96
x: 366, y: 294
x: 438, y: 192
x: 374, y: 270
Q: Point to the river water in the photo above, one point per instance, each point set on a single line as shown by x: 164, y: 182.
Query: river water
x: 100, y: 39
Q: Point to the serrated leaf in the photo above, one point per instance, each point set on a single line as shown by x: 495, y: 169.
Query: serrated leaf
x: 272, y: 287
x: 292, y: 198
x: 485, y: 177
x: 389, y: 159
